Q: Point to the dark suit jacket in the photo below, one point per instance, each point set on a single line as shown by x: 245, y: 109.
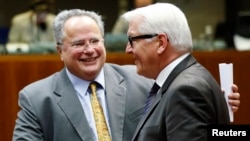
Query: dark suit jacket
x: 189, y: 100
x: 51, y: 110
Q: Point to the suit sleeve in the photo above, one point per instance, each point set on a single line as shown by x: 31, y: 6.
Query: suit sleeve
x: 188, y: 114
x: 14, y: 31
x: 27, y: 125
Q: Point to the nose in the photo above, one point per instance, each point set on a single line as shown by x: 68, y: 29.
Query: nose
x: 87, y: 48
x: 128, y: 48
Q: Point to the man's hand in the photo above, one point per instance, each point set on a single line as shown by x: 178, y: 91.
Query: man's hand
x: 234, y: 98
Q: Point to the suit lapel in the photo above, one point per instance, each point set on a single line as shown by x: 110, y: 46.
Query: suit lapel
x: 116, y: 95
x: 145, y: 117
x: 188, y: 61
x: 71, y: 106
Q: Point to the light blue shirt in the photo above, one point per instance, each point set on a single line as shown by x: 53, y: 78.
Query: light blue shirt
x: 81, y: 87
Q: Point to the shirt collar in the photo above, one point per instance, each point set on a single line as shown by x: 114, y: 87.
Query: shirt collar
x: 163, y: 75
x: 81, y: 85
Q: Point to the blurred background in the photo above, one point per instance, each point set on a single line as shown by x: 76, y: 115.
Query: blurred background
x: 215, y: 18
x: 220, y: 29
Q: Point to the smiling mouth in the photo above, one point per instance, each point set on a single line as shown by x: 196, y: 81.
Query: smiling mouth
x: 88, y: 59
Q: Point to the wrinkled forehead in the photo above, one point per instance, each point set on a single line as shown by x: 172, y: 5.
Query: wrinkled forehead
x: 80, y: 21
x: 81, y: 25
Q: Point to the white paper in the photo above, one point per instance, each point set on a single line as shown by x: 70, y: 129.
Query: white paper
x: 226, y: 81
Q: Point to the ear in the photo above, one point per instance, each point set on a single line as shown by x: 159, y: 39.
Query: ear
x: 163, y: 43
x: 59, y: 51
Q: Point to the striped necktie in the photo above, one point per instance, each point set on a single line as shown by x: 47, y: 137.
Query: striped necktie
x: 151, y: 96
x: 101, y: 126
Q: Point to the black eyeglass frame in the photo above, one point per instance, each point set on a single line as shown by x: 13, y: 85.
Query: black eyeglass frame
x: 145, y: 36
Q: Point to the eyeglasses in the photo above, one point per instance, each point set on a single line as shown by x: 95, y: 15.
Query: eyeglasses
x: 83, y: 43
x: 146, y: 36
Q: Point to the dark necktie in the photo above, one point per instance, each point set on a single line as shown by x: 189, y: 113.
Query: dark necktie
x: 151, y: 96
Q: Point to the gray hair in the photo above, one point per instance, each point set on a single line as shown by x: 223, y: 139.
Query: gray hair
x: 163, y: 18
x: 64, y: 15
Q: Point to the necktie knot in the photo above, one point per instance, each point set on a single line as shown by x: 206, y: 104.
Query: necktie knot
x: 93, y: 88
x: 154, y: 89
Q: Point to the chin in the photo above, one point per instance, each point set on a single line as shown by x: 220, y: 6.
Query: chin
x: 139, y: 71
